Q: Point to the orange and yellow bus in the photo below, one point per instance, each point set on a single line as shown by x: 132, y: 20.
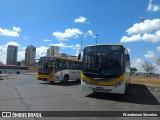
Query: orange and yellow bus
x: 58, y: 68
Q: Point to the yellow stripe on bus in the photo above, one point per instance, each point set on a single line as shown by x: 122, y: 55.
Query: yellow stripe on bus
x: 102, y: 83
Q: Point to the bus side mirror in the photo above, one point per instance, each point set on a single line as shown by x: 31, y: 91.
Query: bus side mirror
x: 79, y: 56
x: 127, y: 57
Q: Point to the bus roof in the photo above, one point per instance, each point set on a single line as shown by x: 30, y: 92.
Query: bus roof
x: 105, y: 45
x: 61, y: 57
x: 66, y: 58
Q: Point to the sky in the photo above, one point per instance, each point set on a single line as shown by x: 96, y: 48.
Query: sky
x: 64, y: 23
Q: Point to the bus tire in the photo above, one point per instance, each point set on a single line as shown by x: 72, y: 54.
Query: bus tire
x: 94, y: 92
x: 18, y: 72
x: 51, y: 82
x: 66, y: 78
x: 0, y: 72
x: 78, y: 80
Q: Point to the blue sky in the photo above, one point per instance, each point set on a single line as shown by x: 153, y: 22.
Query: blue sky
x: 61, y: 22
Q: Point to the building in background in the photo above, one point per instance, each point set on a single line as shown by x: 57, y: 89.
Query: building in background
x: 30, y: 55
x: 69, y: 56
x: 12, y: 52
x: 63, y: 54
x: 53, y: 51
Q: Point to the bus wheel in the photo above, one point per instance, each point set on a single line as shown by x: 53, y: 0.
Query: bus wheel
x: 0, y: 72
x: 66, y: 78
x: 18, y: 72
x: 51, y: 82
x: 94, y: 92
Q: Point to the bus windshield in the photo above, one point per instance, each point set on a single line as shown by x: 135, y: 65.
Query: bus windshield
x: 45, y: 66
x: 101, y: 64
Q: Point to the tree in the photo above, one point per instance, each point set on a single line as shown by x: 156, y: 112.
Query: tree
x: 23, y: 62
x: 19, y: 63
x: 148, y: 67
x: 158, y: 61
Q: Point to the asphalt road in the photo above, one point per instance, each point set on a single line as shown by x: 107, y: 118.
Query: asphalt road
x: 25, y: 93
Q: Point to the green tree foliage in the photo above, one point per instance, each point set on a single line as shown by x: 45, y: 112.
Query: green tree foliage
x: 19, y: 63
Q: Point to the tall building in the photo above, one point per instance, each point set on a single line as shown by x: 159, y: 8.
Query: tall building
x: 12, y: 55
x: 53, y: 51
x: 30, y: 55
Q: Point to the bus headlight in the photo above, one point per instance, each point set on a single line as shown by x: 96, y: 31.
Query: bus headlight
x: 118, y: 84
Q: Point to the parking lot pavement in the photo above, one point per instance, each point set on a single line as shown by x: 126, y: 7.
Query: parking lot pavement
x: 24, y: 93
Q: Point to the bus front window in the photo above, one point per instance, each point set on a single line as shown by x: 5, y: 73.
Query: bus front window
x: 104, y: 64
x: 45, y: 66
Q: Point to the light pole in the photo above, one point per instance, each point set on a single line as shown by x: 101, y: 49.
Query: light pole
x: 96, y: 38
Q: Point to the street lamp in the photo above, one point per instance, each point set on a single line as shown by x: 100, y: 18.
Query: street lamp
x: 81, y: 43
x: 96, y: 38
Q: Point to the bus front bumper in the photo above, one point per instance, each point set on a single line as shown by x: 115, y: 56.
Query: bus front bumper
x: 118, y: 88
x: 45, y: 78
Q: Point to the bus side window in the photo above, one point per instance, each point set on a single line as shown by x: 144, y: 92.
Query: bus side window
x: 67, y: 64
x: 61, y: 64
x: 57, y: 65
x: 70, y: 64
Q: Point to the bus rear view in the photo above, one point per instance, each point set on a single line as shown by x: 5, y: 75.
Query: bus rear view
x: 106, y: 68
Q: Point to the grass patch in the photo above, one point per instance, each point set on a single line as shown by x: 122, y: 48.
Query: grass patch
x: 145, y: 81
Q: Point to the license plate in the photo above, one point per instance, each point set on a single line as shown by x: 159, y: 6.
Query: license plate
x: 99, y: 88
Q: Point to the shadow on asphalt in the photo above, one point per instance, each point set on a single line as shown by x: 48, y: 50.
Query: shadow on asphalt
x: 135, y: 94
x: 69, y: 83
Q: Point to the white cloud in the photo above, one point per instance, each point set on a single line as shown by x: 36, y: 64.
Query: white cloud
x: 152, y: 7
x: 158, y: 49
x: 12, y: 33
x: 76, y: 47
x: 68, y: 33
x: 63, y: 46
x: 26, y: 37
x: 21, y: 55
x: 155, y: 37
x: 24, y: 48
x: 149, y: 30
x: 17, y: 29
x: 149, y: 55
x: 80, y: 20
x: 137, y: 63
x: 46, y: 40
x: 144, y: 27
x: 41, y: 51
x: 133, y: 38
x: 3, y: 52
x: 12, y: 43
x: 90, y: 33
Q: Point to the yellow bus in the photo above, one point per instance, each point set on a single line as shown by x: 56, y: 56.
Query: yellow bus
x: 106, y: 68
x: 58, y: 68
